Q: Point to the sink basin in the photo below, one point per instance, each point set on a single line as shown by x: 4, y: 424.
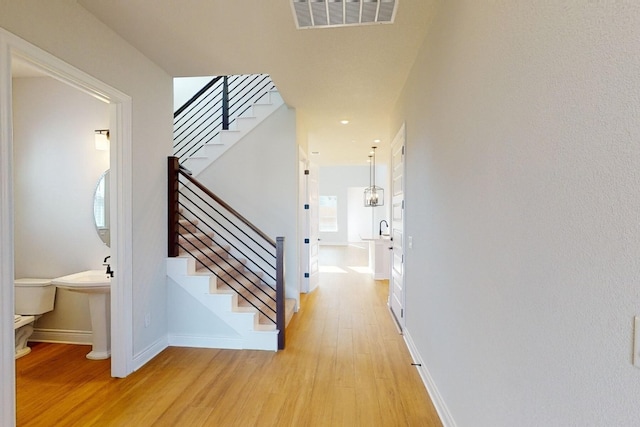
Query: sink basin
x: 90, y: 281
x: 97, y: 285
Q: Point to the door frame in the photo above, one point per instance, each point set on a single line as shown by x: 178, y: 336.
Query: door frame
x: 313, y: 224
x: 309, y: 243
x: 12, y: 46
x: 398, y: 242
x: 303, y: 226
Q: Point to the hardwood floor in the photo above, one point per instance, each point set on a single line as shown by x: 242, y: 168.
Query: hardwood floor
x: 345, y: 365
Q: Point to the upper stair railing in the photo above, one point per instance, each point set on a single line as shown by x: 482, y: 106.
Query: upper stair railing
x: 214, y: 108
x: 226, y: 244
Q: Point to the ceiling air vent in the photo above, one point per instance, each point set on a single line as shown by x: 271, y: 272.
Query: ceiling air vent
x: 337, y: 13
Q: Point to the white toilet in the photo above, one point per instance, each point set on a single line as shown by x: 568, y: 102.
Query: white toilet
x: 34, y: 297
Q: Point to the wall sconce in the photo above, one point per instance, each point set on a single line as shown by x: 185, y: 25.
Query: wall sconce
x: 373, y: 195
x: 102, y: 139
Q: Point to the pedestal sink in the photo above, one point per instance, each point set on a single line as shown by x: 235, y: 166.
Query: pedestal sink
x: 97, y: 285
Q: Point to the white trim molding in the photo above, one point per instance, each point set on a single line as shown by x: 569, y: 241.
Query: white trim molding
x: 430, y: 385
x: 177, y: 340
x: 61, y: 336
x: 122, y: 362
x: 7, y: 337
x: 149, y: 353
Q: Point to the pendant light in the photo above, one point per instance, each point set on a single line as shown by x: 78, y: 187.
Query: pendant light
x: 373, y: 195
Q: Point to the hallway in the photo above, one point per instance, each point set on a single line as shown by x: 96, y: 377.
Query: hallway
x: 344, y: 365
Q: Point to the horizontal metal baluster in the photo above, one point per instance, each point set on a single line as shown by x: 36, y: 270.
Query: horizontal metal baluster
x: 235, y: 225
x: 219, y: 265
x: 232, y: 244
x: 235, y: 246
x: 229, y: 264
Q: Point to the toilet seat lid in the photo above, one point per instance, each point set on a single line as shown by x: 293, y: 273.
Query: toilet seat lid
x: 23, y: 320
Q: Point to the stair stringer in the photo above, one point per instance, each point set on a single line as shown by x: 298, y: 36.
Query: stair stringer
x: 242, y: 125
x: 224, y: 304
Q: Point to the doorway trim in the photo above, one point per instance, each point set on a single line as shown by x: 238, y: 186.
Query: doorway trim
x: 120, y: 109
x: 397, y: 293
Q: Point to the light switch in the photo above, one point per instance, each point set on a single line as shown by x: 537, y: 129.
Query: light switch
x: 410, y: 242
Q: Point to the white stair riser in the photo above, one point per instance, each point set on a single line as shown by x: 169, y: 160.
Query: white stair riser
x: 244, y: 123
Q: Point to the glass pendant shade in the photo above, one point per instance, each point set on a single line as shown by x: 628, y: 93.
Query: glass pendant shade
x: 373, y: 195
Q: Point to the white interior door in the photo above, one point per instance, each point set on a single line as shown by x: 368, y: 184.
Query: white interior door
x: 396, y: 284
x: 312, y: 225
x: 303, y: 223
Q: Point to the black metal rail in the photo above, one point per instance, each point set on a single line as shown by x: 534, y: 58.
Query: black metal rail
x: 214, y: 108
x: 223, y: 242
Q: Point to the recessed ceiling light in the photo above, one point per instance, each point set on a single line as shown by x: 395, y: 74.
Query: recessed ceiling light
x: 344, y: 122
x: 376, y: 140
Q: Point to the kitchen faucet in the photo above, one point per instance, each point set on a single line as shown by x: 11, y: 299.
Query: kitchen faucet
x: 380, y: 227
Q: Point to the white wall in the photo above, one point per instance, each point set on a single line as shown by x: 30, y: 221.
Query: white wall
x: 258, y: 177
x: 522, y: 200
x: 69, y: 32
x: 56, y: 168
x: 185, y: 87
x: 192, y: 322
x: 336, y: 181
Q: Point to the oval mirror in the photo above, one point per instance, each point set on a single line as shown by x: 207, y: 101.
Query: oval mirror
x: 101, y: 208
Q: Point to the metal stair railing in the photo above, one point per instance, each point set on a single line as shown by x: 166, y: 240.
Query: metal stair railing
x: 214, y: 108
x: 227, y: 245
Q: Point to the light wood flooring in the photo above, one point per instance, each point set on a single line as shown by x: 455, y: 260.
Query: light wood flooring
x: 344, y: 365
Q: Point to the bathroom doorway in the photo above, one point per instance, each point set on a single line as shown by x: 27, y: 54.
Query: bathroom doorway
x: 16, y: 52
x: 57, y: 166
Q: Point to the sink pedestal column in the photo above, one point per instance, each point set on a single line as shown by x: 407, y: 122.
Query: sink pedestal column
x: 100, y: 309
x: 97, y: 285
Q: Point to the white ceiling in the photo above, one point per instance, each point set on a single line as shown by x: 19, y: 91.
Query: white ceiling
x: 326, y: 74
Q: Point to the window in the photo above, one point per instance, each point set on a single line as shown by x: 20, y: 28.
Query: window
x: 328, y: 213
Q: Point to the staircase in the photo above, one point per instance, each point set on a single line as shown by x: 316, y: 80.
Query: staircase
x: 216, y: 256
x: 238, y: 129
x: 219, y: 115
x: 236, y: 272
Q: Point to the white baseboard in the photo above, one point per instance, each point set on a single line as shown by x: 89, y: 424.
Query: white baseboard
x: 61, y: 336
x: 149, y: 353
x: 430, y: 385
x: 206, y: 342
